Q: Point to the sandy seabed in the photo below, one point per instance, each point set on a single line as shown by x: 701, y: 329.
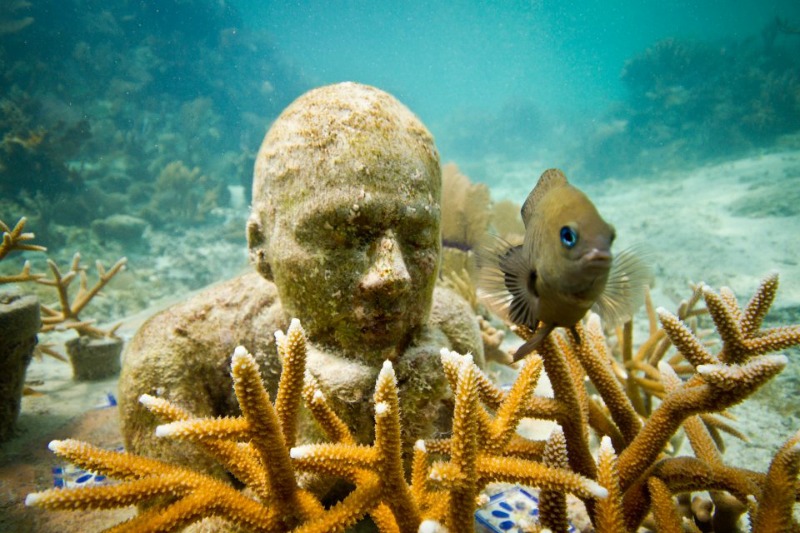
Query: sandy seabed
x: 723, y: 224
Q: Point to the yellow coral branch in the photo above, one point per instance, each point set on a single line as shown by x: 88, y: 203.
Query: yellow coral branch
x: 292, y: 350
x: 777, y: 500
x: 14, y: 239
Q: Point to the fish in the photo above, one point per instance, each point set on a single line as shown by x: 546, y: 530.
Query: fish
x: 563, y: 267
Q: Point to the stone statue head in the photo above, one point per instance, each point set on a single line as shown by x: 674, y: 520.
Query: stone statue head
x: 345, y: 217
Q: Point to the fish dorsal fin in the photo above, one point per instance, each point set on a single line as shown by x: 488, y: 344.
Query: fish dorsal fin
x: 549, y: 179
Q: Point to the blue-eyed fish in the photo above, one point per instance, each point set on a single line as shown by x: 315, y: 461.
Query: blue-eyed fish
x: 563, y: 268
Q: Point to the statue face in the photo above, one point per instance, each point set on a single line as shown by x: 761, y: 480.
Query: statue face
x: 357, y: 263
x: 345, y: 218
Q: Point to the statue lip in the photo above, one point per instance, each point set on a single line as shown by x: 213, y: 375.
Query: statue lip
x: 382, y: 319
x: 367, y: 313
x: 380, y: 323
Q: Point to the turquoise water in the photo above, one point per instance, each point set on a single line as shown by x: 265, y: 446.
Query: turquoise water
x: 131, y: 128
x: 517, y: 78
x: 562, y: 57
x: 154, y: 110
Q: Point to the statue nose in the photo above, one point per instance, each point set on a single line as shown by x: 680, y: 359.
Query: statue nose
x: 387, y: 271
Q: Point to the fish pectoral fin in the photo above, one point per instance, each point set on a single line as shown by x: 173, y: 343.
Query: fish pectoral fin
x: 631, y: 274
x: 507, y: 282
x: 534, y: 342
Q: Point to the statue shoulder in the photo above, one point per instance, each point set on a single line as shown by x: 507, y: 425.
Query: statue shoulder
x: 218, y: 317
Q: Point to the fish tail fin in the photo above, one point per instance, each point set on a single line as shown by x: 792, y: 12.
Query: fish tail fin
x: 631, y: 274
x: 506, y: 281
x: 534, y: 342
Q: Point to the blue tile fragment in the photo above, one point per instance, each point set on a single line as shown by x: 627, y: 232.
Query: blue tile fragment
x: 508, y: 511
x: 69, y: 476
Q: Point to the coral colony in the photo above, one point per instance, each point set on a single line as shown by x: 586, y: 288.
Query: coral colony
x: 630, y: 481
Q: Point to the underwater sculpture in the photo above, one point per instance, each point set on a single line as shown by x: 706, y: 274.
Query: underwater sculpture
x: 344, y: 232
x: 631, y: 477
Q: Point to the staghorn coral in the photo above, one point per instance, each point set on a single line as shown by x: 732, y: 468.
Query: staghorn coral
x: 66, y: 315
x: 632, y: 480
x: 14, y: 239
x: 639, y: 430
x: 19, y: 323
x: 257, y: 448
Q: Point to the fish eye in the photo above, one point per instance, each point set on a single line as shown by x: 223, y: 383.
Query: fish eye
x: 569, y: 237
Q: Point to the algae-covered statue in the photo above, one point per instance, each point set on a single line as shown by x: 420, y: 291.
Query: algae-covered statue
x: 344, y: 234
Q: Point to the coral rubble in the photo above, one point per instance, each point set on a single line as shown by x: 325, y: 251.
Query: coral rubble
x: 632, y: 480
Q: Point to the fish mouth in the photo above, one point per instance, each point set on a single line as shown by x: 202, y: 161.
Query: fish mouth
x: 597, y: 259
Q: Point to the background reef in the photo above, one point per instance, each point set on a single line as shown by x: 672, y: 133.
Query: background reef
x: 129, y: 128
x: 692, y: 101
x: 124, y: 129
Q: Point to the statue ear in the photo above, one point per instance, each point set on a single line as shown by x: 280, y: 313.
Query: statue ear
x: 258, y: 245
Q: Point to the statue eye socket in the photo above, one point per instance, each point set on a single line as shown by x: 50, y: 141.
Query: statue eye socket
x: 569, y: 237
